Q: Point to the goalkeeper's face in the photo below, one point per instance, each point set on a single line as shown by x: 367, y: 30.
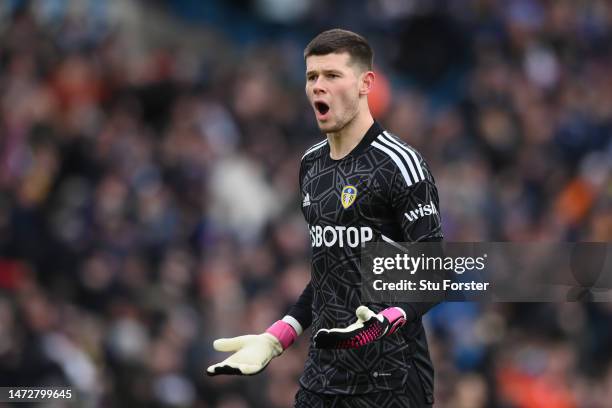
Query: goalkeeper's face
x: 336, y: 89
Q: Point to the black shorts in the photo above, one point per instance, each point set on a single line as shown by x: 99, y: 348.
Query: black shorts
x: 411, y: 395
x: 400, y: 398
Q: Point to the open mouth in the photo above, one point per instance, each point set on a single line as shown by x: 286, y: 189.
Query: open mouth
x: 321, y: 107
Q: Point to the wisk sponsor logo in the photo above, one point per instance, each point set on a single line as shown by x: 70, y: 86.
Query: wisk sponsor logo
x: 421, y: 211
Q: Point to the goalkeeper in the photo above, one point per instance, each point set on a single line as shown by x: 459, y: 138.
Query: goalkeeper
x: 360, y: 184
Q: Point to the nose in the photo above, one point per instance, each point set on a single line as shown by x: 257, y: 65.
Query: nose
x: 317, y: 87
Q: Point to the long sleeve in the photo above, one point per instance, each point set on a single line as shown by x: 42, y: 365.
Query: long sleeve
x: 302, y: 309
x: 416, y: 210
x: 415, y: 310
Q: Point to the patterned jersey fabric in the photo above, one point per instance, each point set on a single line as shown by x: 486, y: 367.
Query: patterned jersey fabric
x: 382, y: 190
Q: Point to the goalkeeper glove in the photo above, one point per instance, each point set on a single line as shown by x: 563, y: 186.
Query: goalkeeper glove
x: 253, y: 352
x: 368, y: 328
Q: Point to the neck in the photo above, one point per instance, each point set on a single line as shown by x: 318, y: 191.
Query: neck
x: 342, y: 142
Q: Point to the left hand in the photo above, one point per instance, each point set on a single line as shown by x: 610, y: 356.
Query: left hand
x: 368, y: 328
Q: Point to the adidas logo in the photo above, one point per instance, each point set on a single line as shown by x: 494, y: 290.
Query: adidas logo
x: 306, y: 201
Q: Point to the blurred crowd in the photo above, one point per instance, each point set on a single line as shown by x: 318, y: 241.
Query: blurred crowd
x: 149, y: 201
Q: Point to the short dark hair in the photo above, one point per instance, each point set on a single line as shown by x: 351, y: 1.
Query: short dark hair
x: 337, y: 41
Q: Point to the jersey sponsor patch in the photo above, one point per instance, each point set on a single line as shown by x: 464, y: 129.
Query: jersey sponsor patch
x: 340, y: 236
x: 349, y: 193
x: 421, y: 211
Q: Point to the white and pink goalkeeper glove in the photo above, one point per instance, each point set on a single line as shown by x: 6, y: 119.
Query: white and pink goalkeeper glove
x: 253, y: 352
x: 368, y: 328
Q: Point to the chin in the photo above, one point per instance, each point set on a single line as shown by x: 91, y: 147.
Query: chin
x: 324, y: 127
x: 329, y: 127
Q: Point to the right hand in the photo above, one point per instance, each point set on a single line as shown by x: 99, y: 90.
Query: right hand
x: 252, y: 353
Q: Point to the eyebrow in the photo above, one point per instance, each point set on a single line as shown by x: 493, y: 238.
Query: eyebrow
x: 324, y: 71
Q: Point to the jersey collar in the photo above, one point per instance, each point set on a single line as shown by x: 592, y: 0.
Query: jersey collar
x: 369, y: 137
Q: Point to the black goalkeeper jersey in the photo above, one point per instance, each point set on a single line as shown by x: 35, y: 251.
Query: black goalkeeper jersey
x: 382, y: 190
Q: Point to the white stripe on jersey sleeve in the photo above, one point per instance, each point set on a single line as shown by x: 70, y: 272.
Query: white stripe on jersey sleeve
x: 392, y: 242
x: 409, y: 162
x: 409, y: 150
x: 314, y: 148
x: 397, y: 161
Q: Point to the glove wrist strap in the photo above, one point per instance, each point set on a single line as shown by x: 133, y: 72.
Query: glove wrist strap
x: 396, y: 317
x: 393, y: 313
x: 284, y: 332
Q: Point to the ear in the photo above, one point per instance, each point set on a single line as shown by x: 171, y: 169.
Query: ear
x: 366, y: 82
